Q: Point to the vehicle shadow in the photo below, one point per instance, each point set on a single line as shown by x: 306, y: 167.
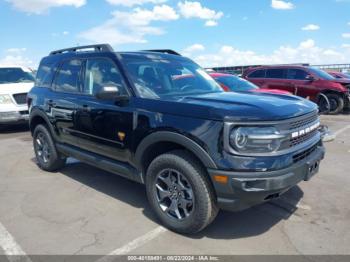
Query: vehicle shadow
x: 10, y: 129
x: 227, y: 225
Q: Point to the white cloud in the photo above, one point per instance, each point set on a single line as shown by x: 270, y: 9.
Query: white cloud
x: 193, y: 49
x: 346, y: 35
x: 130, y: 27
x: 64, y: 33
x: 311, y: 27
x: 130, y: 3
x: 15, y: 57
x: 190, y: 9
x: 211, y: 23
x: 306, y: 52
x: 42, y: 6
x: 282, y: 5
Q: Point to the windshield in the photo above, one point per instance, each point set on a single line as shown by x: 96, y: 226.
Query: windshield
x: 235, y: 83
x: 15, y: 75
x: 346, y: 75
x: 321, y: 74
x: 158, y: 77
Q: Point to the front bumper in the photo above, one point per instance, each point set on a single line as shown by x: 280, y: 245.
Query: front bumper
x: 246, y: 189
x: 14, y: 117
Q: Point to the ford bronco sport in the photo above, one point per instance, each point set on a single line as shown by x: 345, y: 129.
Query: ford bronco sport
x: 195, y: 147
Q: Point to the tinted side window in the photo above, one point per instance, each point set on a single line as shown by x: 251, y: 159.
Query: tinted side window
x: 67, y: 78
x: 297, y: 74
x: 276, y: 73
x: 100, y: 73
x: 45, y: 75
x: 257, y: 74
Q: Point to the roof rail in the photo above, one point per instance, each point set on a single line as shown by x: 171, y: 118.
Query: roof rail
x: 165, y: 51
x: 97, y: 48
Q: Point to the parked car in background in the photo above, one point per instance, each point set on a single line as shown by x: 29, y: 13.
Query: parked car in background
x: 304, y: 81
x: 236, y: 84
x: 339, y: 75
x: 15, y: 83
x: 195, y: 147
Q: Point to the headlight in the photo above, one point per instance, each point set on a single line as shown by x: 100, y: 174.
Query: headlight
x: 5, y: 99
x: 250, y: 140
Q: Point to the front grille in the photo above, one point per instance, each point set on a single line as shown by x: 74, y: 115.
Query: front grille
x: 21, y: 99
x: 23, y: 113
x: 305, y: 128
x: 304, y: 122
x: 299, y: 140
x: 304, y: 154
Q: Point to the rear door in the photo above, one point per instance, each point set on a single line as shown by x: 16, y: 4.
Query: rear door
x: 63, y: 105
x: 257, y: 77
x: 105, y: 126
x: 276, y: 78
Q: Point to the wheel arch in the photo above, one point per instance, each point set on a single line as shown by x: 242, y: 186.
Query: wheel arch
x: 331, y: 91
x: 165, y: 141
x: 38, y: 117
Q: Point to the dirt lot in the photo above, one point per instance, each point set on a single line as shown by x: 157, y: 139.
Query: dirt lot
x: 83, y: 210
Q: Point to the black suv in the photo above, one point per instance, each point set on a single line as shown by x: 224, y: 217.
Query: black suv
x: 159, y: 119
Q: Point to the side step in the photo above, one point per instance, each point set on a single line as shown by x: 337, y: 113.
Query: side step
x: 101, y: 162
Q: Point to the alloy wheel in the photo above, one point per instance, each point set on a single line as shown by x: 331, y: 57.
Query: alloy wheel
x: 174, y: 194
x: 42, y: 148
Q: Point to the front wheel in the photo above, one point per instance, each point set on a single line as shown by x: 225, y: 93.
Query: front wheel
x: 336, y: 103
x: 180, y: 193
x: 47, y: 156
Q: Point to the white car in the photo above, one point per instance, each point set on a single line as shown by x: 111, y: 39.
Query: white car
x: 15, y: 83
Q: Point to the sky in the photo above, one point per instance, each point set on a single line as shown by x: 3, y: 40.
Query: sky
x: 211, y: 32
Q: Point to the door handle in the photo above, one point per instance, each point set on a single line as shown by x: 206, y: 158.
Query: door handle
x: 51, y: 103
x: 86, y: 108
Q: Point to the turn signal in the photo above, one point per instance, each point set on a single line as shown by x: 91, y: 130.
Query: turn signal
x: 221, y: 179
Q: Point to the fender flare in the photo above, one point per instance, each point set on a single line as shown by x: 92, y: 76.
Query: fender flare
x: 166, y: 136
x: 35, y: 112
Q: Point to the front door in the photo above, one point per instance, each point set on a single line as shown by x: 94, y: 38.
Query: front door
x: 105, y: 126
x: 303, y: 86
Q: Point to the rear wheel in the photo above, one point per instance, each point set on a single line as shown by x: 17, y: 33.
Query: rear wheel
x: 180, y: 193
x: 47, y: 156
x: 336, y: 103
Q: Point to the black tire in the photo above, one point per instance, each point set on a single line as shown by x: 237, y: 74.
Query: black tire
x: 204, y: 208
x: 323, y: 104
x: 47, y: 156
x: 336, y: 103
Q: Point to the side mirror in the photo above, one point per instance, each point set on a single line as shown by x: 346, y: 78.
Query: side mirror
x: 310, y: 78
x: 108, y: 92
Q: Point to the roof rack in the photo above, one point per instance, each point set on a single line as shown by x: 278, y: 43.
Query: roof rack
x: 164, y: 51
x: 97, y: 48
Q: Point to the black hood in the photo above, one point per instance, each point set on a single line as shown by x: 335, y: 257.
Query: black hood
x: 234, y: 106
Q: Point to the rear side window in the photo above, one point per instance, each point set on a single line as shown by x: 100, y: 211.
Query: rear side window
x: 276, y: 73
x: 45, y: 75
x: 297, y: 74
x: 257, y: 74
x: 68, y: 76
